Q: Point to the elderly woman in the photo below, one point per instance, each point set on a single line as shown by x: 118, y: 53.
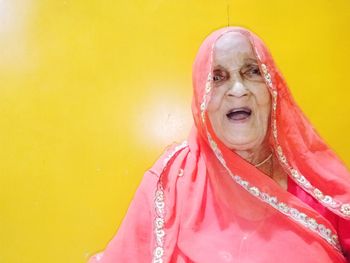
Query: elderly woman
x: 253, y: 183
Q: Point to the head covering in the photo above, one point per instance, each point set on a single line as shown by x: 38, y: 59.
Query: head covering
x: 202, y: 202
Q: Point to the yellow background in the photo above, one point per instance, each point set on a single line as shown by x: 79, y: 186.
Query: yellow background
x: 92, y: 91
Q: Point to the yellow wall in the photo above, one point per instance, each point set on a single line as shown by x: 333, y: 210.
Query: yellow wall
x: 92, y: 91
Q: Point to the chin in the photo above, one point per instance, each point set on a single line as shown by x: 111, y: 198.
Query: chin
x: 244, y: 145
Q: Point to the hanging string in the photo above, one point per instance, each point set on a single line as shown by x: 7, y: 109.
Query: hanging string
x: 228, y: 13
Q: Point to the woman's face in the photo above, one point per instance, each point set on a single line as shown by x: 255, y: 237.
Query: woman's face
x: 239, y: 109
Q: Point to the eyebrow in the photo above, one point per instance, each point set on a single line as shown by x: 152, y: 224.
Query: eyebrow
x: 246, y: 61
x: 216, y: 67
x: 251, y: 60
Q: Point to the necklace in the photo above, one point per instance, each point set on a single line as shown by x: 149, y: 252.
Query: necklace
x: 263, y: 161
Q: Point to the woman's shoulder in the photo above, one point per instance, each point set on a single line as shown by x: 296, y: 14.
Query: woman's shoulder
x: 166, y: 158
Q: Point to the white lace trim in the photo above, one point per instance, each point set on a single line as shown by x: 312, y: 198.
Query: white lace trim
x: 158, y: 223
x: 286, y: 209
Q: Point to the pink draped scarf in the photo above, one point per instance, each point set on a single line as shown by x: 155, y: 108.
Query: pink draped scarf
x: 201, y: 202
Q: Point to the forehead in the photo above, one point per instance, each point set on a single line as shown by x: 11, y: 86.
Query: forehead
x: 232, y: 49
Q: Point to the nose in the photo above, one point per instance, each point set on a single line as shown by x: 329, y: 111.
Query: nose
x: 237, y: 89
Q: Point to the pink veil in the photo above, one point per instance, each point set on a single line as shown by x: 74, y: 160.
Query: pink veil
x: 201, y: 202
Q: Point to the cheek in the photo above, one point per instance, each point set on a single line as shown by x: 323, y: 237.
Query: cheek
x: 215, y: 102
x: 263, y: 97
x: 263, y: 100
x: 265, y: 109
x: 267, y: 98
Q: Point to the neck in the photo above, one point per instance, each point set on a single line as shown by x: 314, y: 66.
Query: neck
x: 271, y: 167
x: 255, y: 156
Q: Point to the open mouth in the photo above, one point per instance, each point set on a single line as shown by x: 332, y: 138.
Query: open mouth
x: 239, y: 114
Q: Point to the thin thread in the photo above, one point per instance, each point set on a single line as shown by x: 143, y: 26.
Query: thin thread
x: 228, y: 13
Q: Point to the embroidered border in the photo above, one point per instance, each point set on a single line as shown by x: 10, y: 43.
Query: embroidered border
x: 159, y: 232
x: 289, y: 211
x: 158, y: 223
x: 295, y: 175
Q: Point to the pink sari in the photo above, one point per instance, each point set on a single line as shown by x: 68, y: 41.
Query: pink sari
x: 201, y: 202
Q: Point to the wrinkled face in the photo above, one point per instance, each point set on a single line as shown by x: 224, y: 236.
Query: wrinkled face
x: 239, y: 109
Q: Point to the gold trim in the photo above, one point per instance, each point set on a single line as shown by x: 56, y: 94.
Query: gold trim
x: 284, y: 208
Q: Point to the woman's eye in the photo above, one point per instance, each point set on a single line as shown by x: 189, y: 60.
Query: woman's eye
x: 256, y: 71
x: 253, y: 70
x: 217, y: 78
x: 219, y: 75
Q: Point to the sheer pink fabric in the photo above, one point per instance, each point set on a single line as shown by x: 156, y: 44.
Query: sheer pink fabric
x: 201, y: 202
